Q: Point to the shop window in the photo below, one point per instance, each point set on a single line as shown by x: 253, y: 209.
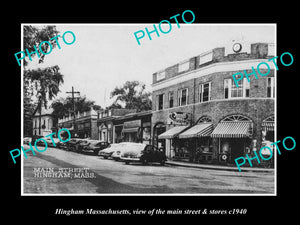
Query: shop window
x: 270, y: 87
x: 171, y: 99
x: 232, y: 91
x: 204, y: 92
x: 183, y: 97
x: 160, y: 102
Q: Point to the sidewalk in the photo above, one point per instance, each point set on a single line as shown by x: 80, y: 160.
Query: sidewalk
x: 218, y: 167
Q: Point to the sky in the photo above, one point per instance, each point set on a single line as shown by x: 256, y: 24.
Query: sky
x: 104, y: 56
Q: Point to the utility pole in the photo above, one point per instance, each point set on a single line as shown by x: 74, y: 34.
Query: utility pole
x: 74, y: 114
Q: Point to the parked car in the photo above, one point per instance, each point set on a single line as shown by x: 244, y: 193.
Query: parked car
x: 71, y: 145
x: 143, y: 153
x: 34, y: 138
x: 96, y: 146
x: 83, y: 144
x: 26, y: 140
x: 123, y: 146
x: 50, y: 142
x: 107, y: 152
x: 62, y: 145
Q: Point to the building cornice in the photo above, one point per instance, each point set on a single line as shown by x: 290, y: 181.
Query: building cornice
x: 210, y: 69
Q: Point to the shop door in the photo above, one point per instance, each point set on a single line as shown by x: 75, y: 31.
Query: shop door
x: 237, y: 148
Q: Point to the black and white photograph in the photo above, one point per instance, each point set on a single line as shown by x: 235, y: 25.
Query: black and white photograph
x: 133, y: 114
x: 149, y: 109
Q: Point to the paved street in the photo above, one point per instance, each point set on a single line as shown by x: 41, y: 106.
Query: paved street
x: 111, y: 177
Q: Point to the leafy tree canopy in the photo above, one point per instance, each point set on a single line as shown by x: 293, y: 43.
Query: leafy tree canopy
x: 133, y: 95
x: 64, y: 106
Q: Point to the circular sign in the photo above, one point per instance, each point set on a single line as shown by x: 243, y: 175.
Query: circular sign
x: 237, y: 47
x: 224, y: 157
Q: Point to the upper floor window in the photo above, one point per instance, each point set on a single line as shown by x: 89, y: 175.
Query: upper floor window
x: 160, y: 102
x: 271, y: 49
x: 270, y: 87
x: 206, y: 57
x: 204, y: 92
x: 160, y: 75
x: 232, y: 91
x: 171, y: 99
x: 183, y: 97
x: 183, y: 66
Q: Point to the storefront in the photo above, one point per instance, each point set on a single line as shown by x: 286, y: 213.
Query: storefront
x: 132, y: 131
x: 234, y: 135
x: 133, y: 127
x: 199, y: 140
x: 167, y: 135
x: 171, y: 137
x: 158, y: 129
x: 268, y: 129
x: 268, y: 137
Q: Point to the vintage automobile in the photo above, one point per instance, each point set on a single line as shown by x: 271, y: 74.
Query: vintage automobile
x: 96, y: 146
x: 34, y: 138
x: 123, y: 146
x: 107, y: 152
x: 71, y: 145
x: 82, y: 145
x: 26, y: 140
x: 50, y: 142
x: 143, y: 153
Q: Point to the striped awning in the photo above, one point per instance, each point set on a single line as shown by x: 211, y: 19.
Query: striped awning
x: 199, y: 130
x: 268, y: 126
x: 232, y: 130
x: 173, y: 132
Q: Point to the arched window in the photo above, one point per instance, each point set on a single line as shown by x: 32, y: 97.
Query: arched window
x: 204, y: 119
x: 236, y: 118
x: 269, y: 119
x: 268, y: 123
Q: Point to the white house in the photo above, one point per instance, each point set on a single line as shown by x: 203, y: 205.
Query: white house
x: 46, y: 120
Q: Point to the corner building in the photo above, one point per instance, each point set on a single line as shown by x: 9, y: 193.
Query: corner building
x: 200, y: 115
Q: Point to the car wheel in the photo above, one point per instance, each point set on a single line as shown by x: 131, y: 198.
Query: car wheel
x: 162, y: 162
x: 127, y: 162
x: 105, y: 157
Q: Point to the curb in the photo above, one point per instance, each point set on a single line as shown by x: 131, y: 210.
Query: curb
x: 199, y: 166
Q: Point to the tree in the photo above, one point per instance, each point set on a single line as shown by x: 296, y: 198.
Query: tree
x: 133, y: 95
x: 41, y: 83
x: 64, y: 106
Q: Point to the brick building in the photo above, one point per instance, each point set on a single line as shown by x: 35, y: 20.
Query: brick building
x: 200, y: 115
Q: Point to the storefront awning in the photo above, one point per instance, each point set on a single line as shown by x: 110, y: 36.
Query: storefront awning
x: 269, y: 126
x: 130, y: 130
x: 173, y: 132
x: 199, y: 130
x: 232, y: 130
